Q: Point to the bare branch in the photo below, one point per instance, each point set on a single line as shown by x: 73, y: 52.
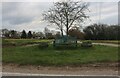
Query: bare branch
x: 66, y: 14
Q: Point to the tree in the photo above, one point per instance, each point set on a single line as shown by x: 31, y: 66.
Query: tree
x: 112, y: 32
x: 48, y: 33
x: 38, y: 35
x: 30, y: 34
x: 75, y: 32
x: 5, y: 33
x: 49, y: 36
x: 23, y: 35
x: 95, y: 31
x: 57, y: 35
x: 102, y: 32
x: 46, y: 30
x: 66, y: 14
x: 13, y: 34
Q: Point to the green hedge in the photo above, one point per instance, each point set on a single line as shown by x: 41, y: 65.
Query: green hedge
x: 66, y: 46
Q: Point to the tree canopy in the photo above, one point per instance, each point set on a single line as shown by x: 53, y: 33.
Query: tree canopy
x: 30, y: 34
x: 24, y: 35
x: 67, y: 14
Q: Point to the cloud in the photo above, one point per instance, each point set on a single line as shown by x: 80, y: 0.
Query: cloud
x: 58, y: 0
x: 28, y: 15
x: 20, y: 12
x: 103, y: 13
x: 101, y: 0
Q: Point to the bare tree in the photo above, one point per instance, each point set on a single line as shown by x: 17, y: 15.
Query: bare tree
x: 67, y: 14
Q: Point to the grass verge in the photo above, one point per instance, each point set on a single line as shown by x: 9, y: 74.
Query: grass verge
x: 32, y: 55
x: 20, y: 42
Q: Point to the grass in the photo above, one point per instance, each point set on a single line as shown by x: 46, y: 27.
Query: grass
x: 19, y: 42
x: 32, y: 55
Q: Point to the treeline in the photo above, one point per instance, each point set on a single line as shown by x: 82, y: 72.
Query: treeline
x: 47, y: 34
x: 92, y: 32
x: 102, y: 32
x: 97, y: 32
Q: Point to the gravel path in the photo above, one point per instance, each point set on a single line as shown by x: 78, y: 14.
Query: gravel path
x: 105, y: 44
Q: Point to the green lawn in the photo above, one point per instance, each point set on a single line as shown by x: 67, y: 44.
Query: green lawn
x: 32, y: 55
x: 19, y: 42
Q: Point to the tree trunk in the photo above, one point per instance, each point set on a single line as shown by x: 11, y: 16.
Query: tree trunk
x: 61, y: 32
x: 67, y: 28
x: 67, y: 31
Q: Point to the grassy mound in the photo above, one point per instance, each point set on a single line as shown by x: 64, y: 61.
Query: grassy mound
x: 33, y: 55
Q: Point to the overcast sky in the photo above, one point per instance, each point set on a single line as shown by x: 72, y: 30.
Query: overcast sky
x: 28, y: 15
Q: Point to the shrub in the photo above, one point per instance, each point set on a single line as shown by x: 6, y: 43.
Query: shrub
x: 66, y: 46
x: 43, y: 45
x: 87, y: 44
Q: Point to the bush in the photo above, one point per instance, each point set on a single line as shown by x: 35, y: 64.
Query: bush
x: 66, y: 46
x: 43, y: 45
x: 87, y: 44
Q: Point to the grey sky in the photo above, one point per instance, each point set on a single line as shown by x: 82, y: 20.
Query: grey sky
x: 28, y: 15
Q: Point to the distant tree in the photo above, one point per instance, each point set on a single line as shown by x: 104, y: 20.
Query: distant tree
x: 38, y: 35
x: 23, y: 35
x: 34, y: 34
x: 102, y: 32
x: 75, y: 32
x: 19, y: 34
x: 57, y: 35
x: 49, y: 36
x: 5, y: 33
x: 41, y: 35
x: 47, y: 32
x: 66, y: 14
x: 113, y: 32
x: 13, y: 34
x: 118, y: 33
x: 29, y: 34
x: 95, y: 32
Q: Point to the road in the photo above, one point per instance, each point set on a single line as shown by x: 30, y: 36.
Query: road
x: 105, y: 44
